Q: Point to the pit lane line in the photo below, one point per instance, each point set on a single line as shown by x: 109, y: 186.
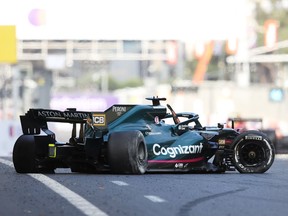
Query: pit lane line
x: 152, y: 198
x: 282, y: 156
x: 76, y: 200
x: 73, y: 198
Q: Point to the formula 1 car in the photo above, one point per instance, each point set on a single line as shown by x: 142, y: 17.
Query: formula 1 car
x: 135, y: 139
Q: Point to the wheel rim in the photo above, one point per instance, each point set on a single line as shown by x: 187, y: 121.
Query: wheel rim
x: 252, y: 154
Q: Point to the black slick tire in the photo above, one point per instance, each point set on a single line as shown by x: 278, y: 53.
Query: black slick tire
x: 127, y: 152
x: 24, y: 154
x: 253, y: 152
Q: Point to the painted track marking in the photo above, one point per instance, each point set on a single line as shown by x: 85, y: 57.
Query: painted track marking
x: 120, y: 183
x: 281, y: 156
x: 73, y: 198
x: 155, y: 199
x: 152, y: 198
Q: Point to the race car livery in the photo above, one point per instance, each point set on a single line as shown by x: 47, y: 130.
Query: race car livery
x: 137, y: 139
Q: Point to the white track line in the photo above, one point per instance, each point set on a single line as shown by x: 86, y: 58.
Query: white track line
x: 120, y: 183
x: 155, y: 199
x: 152, y: 198
x: 73, y: 198
x: 282, y: 156
x: 7, y: 162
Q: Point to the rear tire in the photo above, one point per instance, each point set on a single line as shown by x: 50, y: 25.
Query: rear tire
x: 253, y: 152
x: 24, y: 154
x: 25, y: 158
x: 127, y: 152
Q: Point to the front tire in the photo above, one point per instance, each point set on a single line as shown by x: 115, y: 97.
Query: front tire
x: 253, y: 152
x: 127, y: 152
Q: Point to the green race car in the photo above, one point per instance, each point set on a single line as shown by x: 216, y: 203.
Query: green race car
x: 135, y: 139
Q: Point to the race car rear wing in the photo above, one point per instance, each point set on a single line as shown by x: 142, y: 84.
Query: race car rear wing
x: 36, y: 120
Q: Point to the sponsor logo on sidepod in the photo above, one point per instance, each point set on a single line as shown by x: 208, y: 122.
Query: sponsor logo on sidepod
x: 98, y: 119
x: 119, y: 110
x: 173, y: 151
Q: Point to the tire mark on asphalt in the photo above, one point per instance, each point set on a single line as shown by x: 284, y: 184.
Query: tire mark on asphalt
x: 185, y: 209
x: 73, y: 198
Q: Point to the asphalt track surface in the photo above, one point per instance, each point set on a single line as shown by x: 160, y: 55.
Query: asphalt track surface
x: 66, y: 193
